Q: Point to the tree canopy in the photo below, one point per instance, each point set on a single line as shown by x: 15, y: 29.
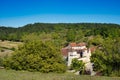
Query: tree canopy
x: 107, y: 58
x: 68, y: 31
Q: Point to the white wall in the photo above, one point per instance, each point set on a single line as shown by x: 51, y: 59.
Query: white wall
x: 72, y: 55
x: 79, y: 47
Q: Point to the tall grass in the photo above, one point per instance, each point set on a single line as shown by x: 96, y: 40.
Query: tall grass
x: 25, y: 75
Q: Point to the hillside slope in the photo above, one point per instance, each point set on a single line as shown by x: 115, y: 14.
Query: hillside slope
x: 15, y: 34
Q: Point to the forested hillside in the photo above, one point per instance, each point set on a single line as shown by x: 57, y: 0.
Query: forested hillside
x: 71, y: 32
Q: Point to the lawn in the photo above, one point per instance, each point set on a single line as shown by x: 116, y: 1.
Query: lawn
x: 25, y: 75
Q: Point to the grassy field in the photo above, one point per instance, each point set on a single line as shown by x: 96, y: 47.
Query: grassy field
x: 7, y: 47
x: 25, y: 75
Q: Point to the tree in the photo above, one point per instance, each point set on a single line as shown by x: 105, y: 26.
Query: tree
x: 78, y: 65
x: 79, y: 36
x: 70, y: 35
x: 96, y: 40
x: 36, y: 56
x: 107, y: 58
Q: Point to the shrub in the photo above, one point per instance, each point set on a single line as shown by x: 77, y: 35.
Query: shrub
x: 78, y: 65
x: 1, y: 61
x: 36, y: 56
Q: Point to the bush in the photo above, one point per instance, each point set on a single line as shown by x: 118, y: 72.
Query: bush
x: 78, y: 65
x: 13, y: 49
x: 1, y: 61
x: 36, y: 56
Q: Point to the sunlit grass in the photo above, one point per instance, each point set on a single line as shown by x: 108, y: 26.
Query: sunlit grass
x: 8, y: 47
x: 25, y: 75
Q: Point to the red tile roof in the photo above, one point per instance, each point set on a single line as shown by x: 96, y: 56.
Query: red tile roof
x: 92, y: 49
x: 64, y: 52
x: 73, y: 44
x: 81, y: 44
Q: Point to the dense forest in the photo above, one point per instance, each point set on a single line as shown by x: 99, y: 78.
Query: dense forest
x: 69, y: 32
x: 104, y: 37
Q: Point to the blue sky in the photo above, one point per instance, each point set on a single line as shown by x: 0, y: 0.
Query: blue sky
x: 17, y: 13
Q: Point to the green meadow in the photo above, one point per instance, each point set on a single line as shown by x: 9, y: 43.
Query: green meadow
x: 25, y: 75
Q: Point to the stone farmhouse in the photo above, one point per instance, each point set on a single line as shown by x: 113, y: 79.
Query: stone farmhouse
x: 79, y: 51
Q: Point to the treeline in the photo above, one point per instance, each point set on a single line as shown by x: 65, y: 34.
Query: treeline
x: 83, y: 29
